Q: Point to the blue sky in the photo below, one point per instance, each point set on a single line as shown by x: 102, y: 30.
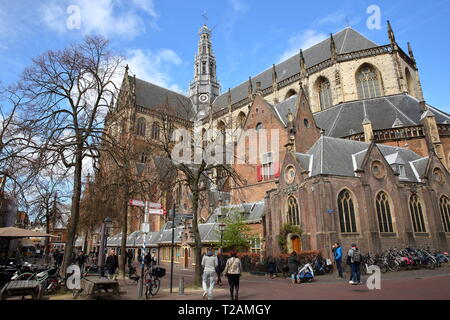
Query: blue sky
x: 159, y: 38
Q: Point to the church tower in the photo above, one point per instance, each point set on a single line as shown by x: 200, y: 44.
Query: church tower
x: 204, y: 87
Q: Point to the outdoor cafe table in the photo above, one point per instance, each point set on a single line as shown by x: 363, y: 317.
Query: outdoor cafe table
x: 22, y: 288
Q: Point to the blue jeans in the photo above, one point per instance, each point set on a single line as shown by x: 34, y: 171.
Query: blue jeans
x: 356, y: 272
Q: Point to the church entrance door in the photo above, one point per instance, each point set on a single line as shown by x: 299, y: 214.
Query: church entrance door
x: 296, y: 244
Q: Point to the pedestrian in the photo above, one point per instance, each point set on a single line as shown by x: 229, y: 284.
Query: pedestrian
x: 55, y: 256
x: 219, y: 268
x: 209, y: 264
x: 271, y: 266
x: 293, y: 266
x: 59, y: 258
x: 337, y: 253
x: 129, y: 258
x: 149, y: 260
x: 18, y: 258
x: 111, y: 264
x: 232, y: 271
x: 81, y: 259
x: 355, y: 264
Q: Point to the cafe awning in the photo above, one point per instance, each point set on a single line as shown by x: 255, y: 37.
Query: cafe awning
x: 13, y: 232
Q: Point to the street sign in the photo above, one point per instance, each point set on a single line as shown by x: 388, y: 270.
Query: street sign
x: 154, y: 205
x: 145, y: 227
x: 156, y: 211
x: 136, y: 203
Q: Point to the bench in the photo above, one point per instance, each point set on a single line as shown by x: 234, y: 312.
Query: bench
x: 93, y: 285
x: 22, y: 288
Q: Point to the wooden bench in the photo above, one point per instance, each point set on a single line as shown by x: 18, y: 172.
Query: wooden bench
x: 22, y: 288
x: 93, y: 285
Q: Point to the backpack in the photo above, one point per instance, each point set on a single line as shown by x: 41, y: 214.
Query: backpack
x: 356, y: 256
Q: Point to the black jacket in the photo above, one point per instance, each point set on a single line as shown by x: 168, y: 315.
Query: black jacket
x: 293, y: 264
x: 112, y: 263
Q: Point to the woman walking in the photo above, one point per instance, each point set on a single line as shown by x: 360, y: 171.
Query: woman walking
x: 233, y: 270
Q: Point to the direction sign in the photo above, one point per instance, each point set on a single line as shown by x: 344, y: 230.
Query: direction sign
x: 154, y: 205
x: 136, y: 203
x: 156, y: 211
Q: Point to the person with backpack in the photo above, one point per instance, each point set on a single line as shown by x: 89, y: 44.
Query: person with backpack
x: 219, y: 268
x: 209, y: 264
x: 355, y: 264
x: 337, y: 251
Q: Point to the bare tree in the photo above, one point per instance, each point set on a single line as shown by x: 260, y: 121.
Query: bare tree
x: 67, y: 92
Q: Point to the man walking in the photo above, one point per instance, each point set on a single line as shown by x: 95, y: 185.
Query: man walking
x: 337, y: 250
x: 355, y: 264
x: 209, y: 264
x: 81, y: 259
x: 111, y: 264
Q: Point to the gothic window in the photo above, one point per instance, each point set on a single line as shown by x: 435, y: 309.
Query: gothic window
x: 290, y: 93
x: 141, y: 126
x: 293, y: 216
x: 240, y: 120
x: 203, y: 67
x: 143, y: 158
x: 259, y: 126
x: 368, y: 82
x: 384, y: 212
x: 409, y: 82
x: 211, y: 69
x: 415, y: 208
x: 444, y: 206
x: 204, y: 48
x: 155, y: 131
x: 346, y: 211
x: 324, y: 91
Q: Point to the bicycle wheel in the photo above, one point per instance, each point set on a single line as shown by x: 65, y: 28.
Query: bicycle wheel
x: 154, y: 287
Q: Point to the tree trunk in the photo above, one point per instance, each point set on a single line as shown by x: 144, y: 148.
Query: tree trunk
x: 47, y: 239
x: 197, y: 240
x: 123, y: 247
x: 74, y: 212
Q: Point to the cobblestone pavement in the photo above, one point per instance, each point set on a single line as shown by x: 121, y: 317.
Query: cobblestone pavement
x: 414, y: 284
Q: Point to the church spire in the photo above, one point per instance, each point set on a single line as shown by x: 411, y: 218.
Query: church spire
x: 302, y: 64
x: 333, y: 49
x: 204, y: 87
x: 391, y: 35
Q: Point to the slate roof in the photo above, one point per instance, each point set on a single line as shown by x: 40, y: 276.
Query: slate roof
x: 384, y: 112
x: 252, y: 211
x: 347, y: 40
x: 341, y: 157
x: 151, y: 96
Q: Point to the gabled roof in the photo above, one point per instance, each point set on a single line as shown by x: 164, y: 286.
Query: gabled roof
x: 151, y: 96
x: 341, y: 157
x: 347, y: 40
x: 384, y: 112
x: 253, y: 211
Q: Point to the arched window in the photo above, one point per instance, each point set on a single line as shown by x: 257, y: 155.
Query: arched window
x: 204, y: 138
x: 293, y: 216
x: 410, y: 82
x: 259, y: 126
x: 290, y: 93
x: 141, y: 127
x: 384, y: 213
x: 415, y: 207
x: 323, y: 89
x: 368, y: 82
x: 444, y: 206
x: 346, y: 211
x: 155, y: 131
x: 240, y: 121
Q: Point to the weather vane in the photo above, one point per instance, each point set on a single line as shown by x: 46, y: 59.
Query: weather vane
x: 205, y: 16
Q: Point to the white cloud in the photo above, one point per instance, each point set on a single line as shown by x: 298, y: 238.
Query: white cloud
x: 105, y: 17
x: 239, y: 5
x: 302, y: 40
x: 154, y: 66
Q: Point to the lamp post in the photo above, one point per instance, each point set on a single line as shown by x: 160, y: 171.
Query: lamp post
x: 106, y: 225
x: 173, y: 240
x: 221, y: 229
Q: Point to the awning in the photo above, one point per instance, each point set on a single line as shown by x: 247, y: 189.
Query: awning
x: 13, y: 232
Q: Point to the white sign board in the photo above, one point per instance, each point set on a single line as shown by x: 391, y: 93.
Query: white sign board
x: 154, y: 205
x: 156, y: 211
x: 145, y: 227
x: 136, y: 203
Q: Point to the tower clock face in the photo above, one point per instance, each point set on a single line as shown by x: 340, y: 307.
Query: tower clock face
x: 203, y: 98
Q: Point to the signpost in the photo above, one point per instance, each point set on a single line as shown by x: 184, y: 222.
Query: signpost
x: 156, y: 211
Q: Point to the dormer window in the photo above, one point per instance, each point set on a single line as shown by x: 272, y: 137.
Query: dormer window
x: 397, y: 164
x: 400, y: 169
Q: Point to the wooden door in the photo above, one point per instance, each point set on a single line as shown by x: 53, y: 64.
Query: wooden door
x: 186, y: 258
x: 296, y: 244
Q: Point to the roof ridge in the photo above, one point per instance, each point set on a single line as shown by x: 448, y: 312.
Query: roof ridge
x: 153, y: 84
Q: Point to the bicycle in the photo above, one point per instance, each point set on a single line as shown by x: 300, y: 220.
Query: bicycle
x: 152, y: 281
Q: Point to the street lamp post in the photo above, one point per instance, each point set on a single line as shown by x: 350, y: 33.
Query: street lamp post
x: 173, y: 240
x: 103, y: 242
x: 139, y: 170
x: 221, y: 229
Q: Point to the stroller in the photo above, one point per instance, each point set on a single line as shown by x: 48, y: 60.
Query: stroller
x: 305, y: 273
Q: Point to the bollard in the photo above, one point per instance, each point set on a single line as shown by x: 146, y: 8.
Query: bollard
x: 181, y: 287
